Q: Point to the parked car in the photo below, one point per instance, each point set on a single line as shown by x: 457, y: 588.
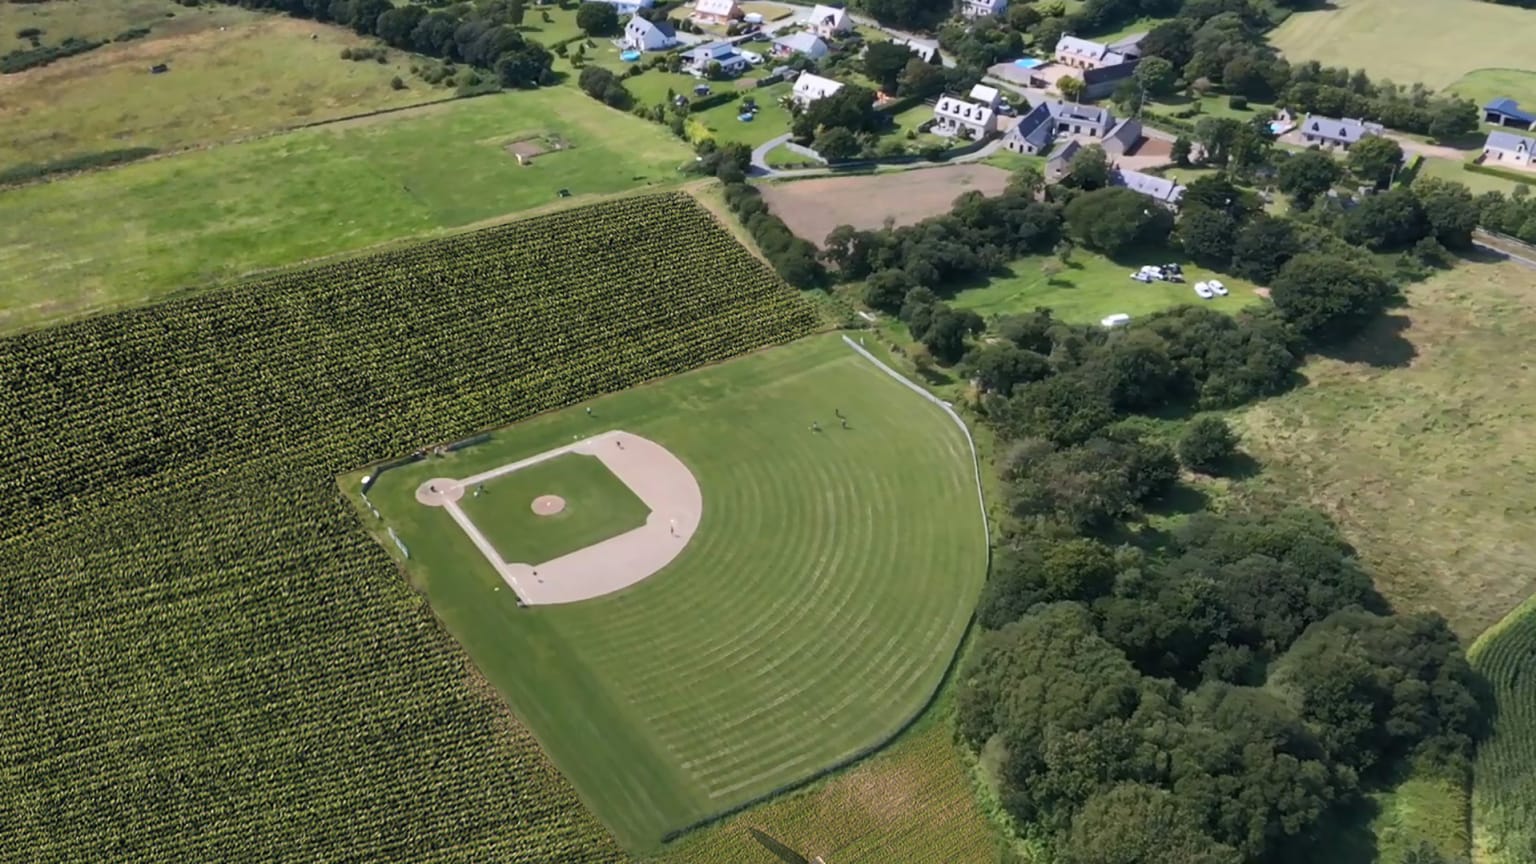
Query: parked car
x: 1171, y: 276
x: 1219, y: 289
x: 1151, y: 272
x: 1141, y: 277
x: 1118, y: 319
x: 1203, y: 289
x: 1174, y: 268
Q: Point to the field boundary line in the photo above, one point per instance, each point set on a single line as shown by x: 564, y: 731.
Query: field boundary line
x: 981, y: 500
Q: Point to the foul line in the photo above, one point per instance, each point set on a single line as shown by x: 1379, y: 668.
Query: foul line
x: 981, y: 500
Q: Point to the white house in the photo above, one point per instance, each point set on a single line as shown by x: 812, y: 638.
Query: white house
x: 988, y: 96
x: 1332, y: 133
x: 830, y: 22
x: 628, y: 7
x: 927, y: 51
x: 804, y: 42
x: 732, y: 61
x: 982, y: 8
x: 1086, y: 54
x: 809, y: 88
x: 643, y: 35
x: 717, y: 11
x: 962, y: 119
x: 1508, y: 149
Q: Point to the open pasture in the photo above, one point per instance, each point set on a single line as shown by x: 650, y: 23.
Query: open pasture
x: 210, y: 658
x: 1435, y: 42
x: 1417, y: 439
x: 812, y: 208
x: 810, y: 616
x: 117, y: 237
x: 233, y: 74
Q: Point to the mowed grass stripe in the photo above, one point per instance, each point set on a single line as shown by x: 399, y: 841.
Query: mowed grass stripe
x: 814, y: 611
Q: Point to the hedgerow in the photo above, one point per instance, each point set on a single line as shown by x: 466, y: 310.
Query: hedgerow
x: 207, y: 657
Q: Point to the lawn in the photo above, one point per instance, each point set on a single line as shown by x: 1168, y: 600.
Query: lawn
x: 550, y: 24
x: 1447, y: 169
x: 597, y: 506
x: 104, y: 19
x: 1435, y: 42
x: 233, y: 74
x: 770, y: 121
x: 134, y: 233
x: 1092, y: 287
x: 1416, y: 438
x: 810, y: 617
x: 1485, y: 85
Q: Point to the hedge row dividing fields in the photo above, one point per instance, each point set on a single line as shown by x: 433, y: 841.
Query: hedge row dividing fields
x: 207, y: 658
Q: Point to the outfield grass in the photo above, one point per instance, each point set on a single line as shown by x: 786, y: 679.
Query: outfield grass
x: 913, y: 803
x: 597, y: 506
x: 1485, y: 85
x: 1417, y: 439
x: 233, y: 74
x: 134, y: 233
x: 1431, y: 41
x: 1504, y: 791
x: 1092, y: 286
x: 813, y: 613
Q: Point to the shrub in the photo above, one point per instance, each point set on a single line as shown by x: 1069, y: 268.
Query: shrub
x: 396, y: 83
x: 1207, y: 445
x: 1237, y: 103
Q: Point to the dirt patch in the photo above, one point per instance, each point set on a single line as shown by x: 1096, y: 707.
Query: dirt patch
x: 535, y: 145
x: 548, y: 505
x: 1154, y: 147
x: 812, y: 208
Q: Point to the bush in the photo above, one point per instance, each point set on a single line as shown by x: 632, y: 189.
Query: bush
x: 36, y: 170
x: 1207, y: 445
x: 1237, y: 103
x: 396, y: 83
x: 31, y: 58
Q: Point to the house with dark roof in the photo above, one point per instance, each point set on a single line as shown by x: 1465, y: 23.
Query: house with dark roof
x: 1506, y: 112
x: 1060, y: 163
x: 1331, y: 133
x: 1051, y: 119
x: 1101, y: 82
x: 1033, y: 133
x: 1123, y: 138
x: 643, y: 35
x: 1506, y: 149
x: 1075, y: 118
x: 1129, y: 46
x: 1160, y: 189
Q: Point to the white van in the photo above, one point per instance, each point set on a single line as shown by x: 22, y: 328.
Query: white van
x: 1119, y: 319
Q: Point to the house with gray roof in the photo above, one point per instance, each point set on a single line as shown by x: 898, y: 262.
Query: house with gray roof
x: 1075, y: 118
x: 982, y: 8
x: 1160, y: 189
x: 1085, y: 53
x: 1060, y: 163
x: 1508, y: 150
x: 732, y: 61
x: 1123, y: 138
x: 1506, y: 112
x: 804, y: 42
x: 960, y: 118
x: 1033, y: 133
x: 1331, y: 133
x: 1052, y: 119
x: 643, y: 35
x: 1129, y: 46
x: 1101, y: 82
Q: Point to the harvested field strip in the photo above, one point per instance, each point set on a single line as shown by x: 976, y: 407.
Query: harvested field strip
x: 214, y: 660
x: 1504, y: 787
x: 812, y: 208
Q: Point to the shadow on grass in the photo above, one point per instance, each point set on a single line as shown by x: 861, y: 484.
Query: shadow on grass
x: 1181, y: 500
x: 1241, y: 466
x: 780, y: 851
x: 1380, y: 345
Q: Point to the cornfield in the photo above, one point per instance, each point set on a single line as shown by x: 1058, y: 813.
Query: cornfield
x: 1504, y: 781
x: 206, y: 658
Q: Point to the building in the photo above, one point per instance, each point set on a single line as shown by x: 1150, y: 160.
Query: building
x: 1129, y: 47
x: 1160, y: 189
x: 1073, y: 118
x: 988, y: 96
x: 643, y: 35
x: 1033, y: 133
x: 1333, y: 134
x: 1101, y: 82
x: 1045, y: 122
x: 1506, y: 112
x: 809, y: 88
x: 804, y: 42
x: 1086, y: 54
x: 928, y: 51
x: 732, y: 62
x: 982, y: 8
x: 1060, y: 163
x: 830, y: 22
x: 1506, y: 149
x: 716, y: 11
x: 1123, y: 139
x: 628, y: 7
x: 962, y: 119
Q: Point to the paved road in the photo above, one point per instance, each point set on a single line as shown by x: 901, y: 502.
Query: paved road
x: 762, y: 171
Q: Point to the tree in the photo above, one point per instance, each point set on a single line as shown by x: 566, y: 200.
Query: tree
x: 884, y: 63
x: 887, y: 290
x: 1328, y: 297
x: 1452, y: 118
x: 1451, y: 210
x: 1207, y: 445
x: 397, y: 25
x: 1393, y: 219
x: 1208, y: 235
x: 1137, y: 824
x: 837, y: 144
x: 947, y: 331
x: 1127, y: 97
x: 1090, y: 168
x: 1071, y: 87
x: 921, y: 79
x: 597, y: 19
x: 1307, y: 175
x: 604, y: 86
x: 1374, y: 158
x: 1182, y: 147
x: 516, y: 12
x: 524, y: 66
x: 1027, y: 181
x: 1157, y: 75
x: 1262, y: 246
x: 999, y: 367
x: 365, y: 15
x: 1114, y: 220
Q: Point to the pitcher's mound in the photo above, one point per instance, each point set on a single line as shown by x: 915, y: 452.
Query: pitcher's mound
x: 548, y: 505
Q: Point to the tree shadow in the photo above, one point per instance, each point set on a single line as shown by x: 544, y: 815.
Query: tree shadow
x: 1342, y: 836
x: 1241, y: 466
x: 1181, y: 500
x: 1380, y: 345
x: 779, y: 850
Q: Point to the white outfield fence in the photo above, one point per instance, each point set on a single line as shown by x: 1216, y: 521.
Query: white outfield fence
x: 981, y: 500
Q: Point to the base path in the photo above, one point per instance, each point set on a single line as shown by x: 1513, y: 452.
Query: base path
x: 657, y: 478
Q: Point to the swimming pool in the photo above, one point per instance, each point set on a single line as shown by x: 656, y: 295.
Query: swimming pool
x: 1279, y: 127
x: 630, y: 56
x: 1028, y: 62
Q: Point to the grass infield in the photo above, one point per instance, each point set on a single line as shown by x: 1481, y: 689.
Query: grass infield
x: 813, y: 613
x: 597, y: 506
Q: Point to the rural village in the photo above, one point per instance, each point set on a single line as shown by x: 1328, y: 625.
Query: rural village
x: 768, y: 432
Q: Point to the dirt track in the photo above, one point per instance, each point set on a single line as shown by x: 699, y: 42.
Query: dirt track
x: 812, y: 208
x: 656, y: 477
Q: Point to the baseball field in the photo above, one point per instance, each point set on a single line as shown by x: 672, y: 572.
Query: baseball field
x: 811, y: 612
